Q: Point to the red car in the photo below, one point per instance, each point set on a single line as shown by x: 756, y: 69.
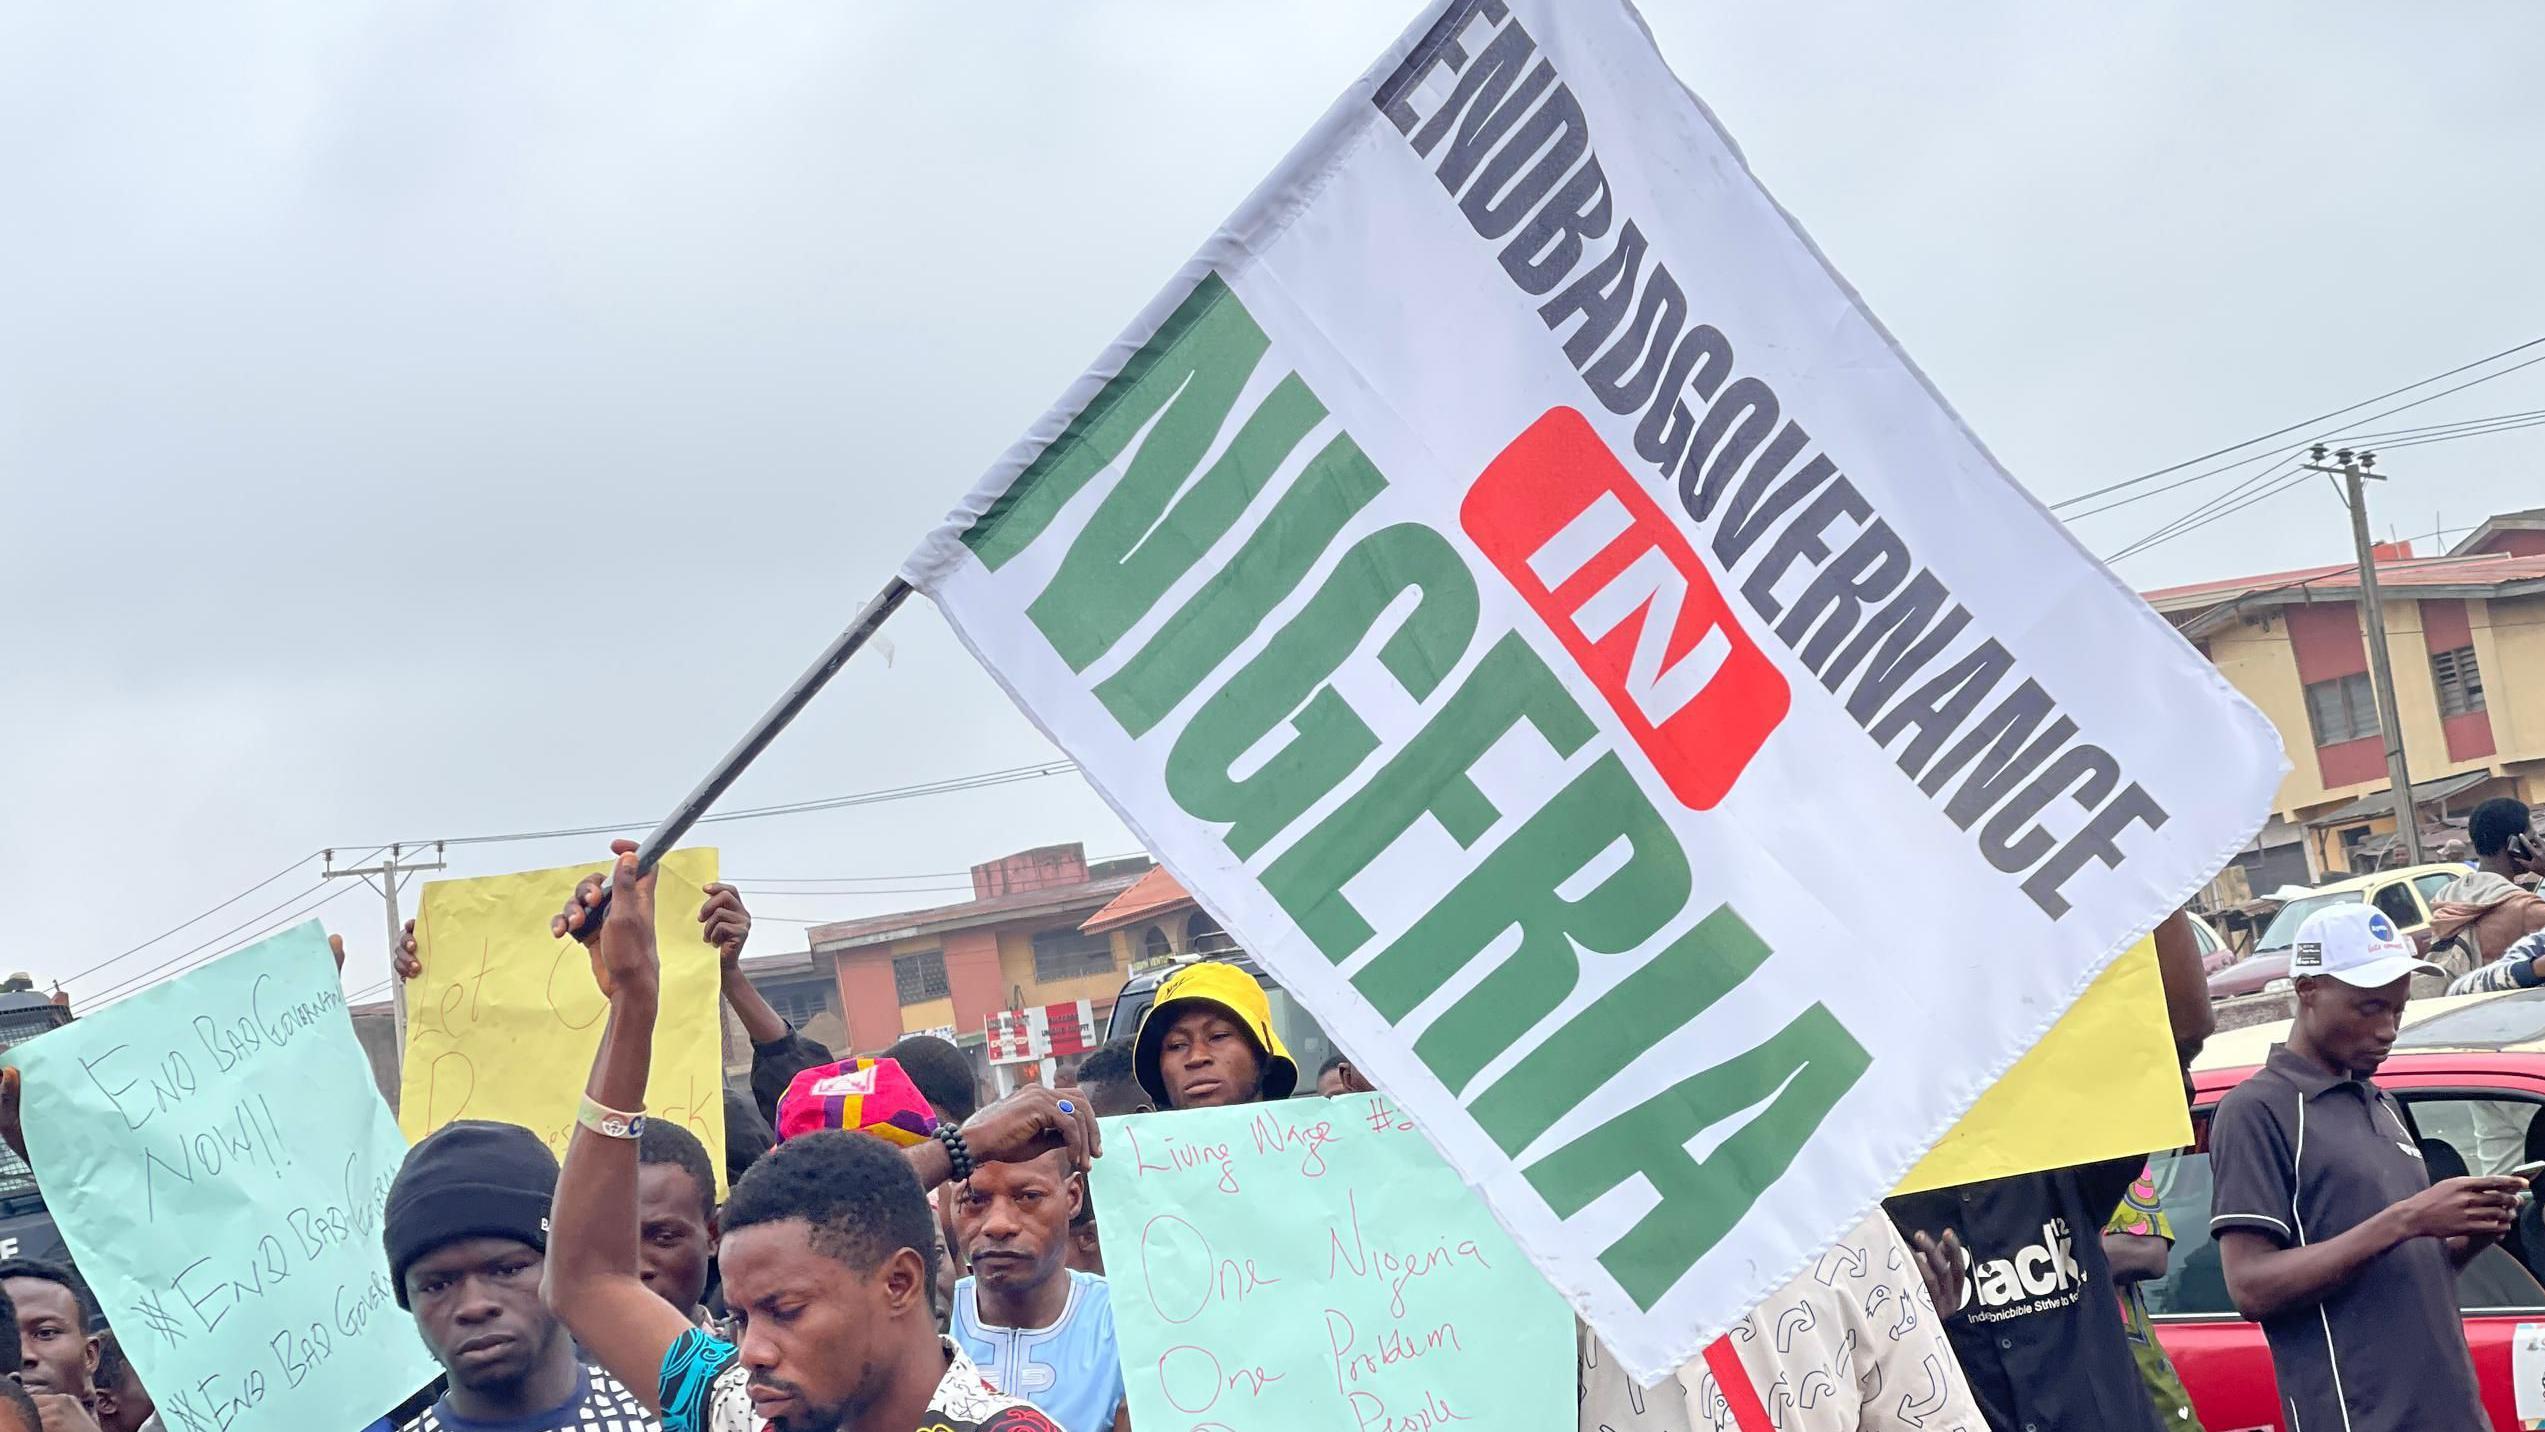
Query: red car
x: 2470, y: 1073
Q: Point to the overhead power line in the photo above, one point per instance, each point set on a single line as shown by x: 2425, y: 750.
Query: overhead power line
x: 119, y: 958
x: 2223, y: 503
x: 2298, y: 426
x: 984, y: 781
x: 2461, y: 425
x: 177, y: 964
x: 2292, y: 449
x: 2290, y: 481
x: 2453, y: 437
x: 185, y: 960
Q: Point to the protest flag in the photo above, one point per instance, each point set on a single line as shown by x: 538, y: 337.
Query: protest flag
x: 1513, y: 582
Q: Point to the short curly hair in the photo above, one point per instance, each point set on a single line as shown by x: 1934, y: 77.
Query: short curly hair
x: 2493, y: 823
x: 62, y: 1274
x: 1111, y: 1077
x: 855, y: 1191
x: 664, y: 1142
x: 942, y: 1073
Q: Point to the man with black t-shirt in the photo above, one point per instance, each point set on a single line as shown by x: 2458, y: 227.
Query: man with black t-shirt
x: 2039, y: 1331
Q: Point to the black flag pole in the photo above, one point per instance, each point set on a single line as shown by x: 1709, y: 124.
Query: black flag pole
x: 664, y: 836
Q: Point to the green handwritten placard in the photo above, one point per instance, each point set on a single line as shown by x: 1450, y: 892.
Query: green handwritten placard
x: 216, y: 1155
x: 1315, y: 1263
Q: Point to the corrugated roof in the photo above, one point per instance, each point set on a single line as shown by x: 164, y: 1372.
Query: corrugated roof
x: 903, y: 923
x: 2480, y: 570
x: 1150, y: 895
x: 2382, y: 800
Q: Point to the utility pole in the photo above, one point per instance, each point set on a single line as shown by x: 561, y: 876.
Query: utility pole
x: 2353, y: 468
x: 391, y: 873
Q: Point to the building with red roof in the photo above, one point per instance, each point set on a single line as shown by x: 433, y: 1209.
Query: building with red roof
x: 2466, y: 635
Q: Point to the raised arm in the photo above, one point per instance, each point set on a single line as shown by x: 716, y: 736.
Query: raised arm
x: 728, y: 924
x: 591, y: 1280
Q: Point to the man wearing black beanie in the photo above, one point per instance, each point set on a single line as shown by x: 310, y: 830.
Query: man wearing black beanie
x: 466, y: 1229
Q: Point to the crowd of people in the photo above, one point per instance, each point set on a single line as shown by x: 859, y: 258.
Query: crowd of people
x: 890, y: 1254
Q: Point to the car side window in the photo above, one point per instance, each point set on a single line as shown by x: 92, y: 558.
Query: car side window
x: 2458, y: 1133
x: 2430, y: 886
x: 2400, y: 906
x: 2462, y: 1134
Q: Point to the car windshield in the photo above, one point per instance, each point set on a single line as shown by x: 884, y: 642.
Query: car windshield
x: 2283, y: 930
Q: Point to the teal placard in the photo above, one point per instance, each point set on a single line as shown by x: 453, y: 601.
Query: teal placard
x: 216, y: 1155
x: 1315, y: 1263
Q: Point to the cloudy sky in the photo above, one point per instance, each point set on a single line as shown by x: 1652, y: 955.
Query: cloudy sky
x: 441, y: 420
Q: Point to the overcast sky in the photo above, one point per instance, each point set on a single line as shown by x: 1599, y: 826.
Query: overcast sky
x: 433, y: 420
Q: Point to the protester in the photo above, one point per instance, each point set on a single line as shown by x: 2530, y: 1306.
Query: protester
x: 466, y: 1229
x: 2329, y: 1230
x: 1853, y: 1344
x: 2521, y: 966
x: 747, y: 1135
x: 1109, y: 1077
x: 1037, y: 1328
x: 1086, y: 1245
x: 57, y: 1353
x: 944, y: 1077
x: 2493, y: 906
x: 12, y: 1358
x: 2054, y: 1359
x: 778, y: 1052
x: 59, y: 1392
x: 12, y: 1347
x: 1108, y: 1081
x: 17, y: 1410
x: 121, y: 1403
x: 942, y: 1073
x: 1336, y: 1078
x: 1208, y: 1041
x: 826, y: 1250
x: 871, y: 1096
x: 2138, y: 1241
x: 676, y: 1217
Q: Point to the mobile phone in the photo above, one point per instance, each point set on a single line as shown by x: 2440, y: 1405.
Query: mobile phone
x: 2529, y: 1171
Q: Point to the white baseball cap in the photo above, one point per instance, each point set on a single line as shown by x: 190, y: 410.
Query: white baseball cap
x: 2357, y: 945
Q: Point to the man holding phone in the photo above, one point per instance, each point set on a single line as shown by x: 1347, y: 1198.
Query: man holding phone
x: 2329, y: 1230
x: 2491, y: 907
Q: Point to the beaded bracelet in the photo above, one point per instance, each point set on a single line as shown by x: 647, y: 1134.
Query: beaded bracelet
x: 958, y: 1153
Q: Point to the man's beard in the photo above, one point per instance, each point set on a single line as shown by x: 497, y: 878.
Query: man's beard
x: 809, y: 1418
x: 827, y: 1419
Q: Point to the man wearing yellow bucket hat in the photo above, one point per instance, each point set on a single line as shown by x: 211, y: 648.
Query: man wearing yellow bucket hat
x: 1209, y: 1041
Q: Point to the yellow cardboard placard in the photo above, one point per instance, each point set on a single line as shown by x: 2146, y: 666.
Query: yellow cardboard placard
x: 2104, y: 1082
x: 503, y: 1022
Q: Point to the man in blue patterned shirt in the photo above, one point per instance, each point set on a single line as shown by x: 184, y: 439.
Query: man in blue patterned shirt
x: 828, y: 1246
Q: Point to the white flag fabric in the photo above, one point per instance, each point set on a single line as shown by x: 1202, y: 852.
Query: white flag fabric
x: 1512, y: 581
